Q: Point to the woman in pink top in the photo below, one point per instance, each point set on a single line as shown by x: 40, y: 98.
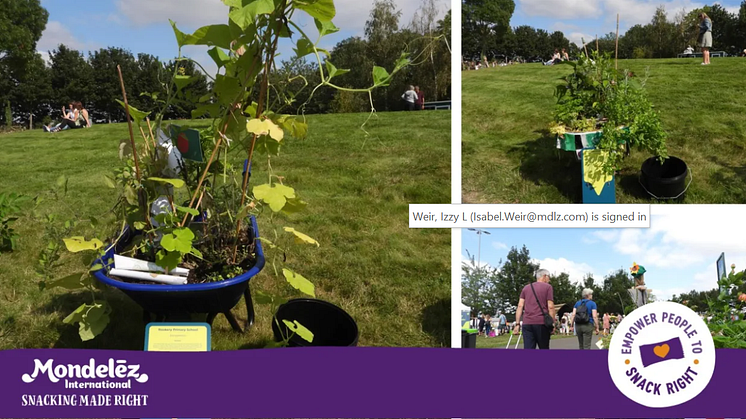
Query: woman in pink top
x: 607, y: 324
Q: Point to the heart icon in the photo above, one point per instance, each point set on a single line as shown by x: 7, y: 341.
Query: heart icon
x: 662, y: 350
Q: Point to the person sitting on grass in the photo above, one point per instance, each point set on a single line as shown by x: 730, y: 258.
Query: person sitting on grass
x: 78, y: 119
x: 68, y: 114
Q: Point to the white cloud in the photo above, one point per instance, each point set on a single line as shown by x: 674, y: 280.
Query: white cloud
x: 576, y: 270
x: 191, y: 13
x: 500, y: 246
x: 55, y: 34
x: 562, y: 9
x: 679, y: 240
x: 351, y: 14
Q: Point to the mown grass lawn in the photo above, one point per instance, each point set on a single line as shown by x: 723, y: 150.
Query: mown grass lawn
x: 394, y: 281
x: 509, y: 156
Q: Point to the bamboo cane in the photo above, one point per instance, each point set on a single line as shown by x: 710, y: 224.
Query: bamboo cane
x: 129, y: 124
x: 616, y: 53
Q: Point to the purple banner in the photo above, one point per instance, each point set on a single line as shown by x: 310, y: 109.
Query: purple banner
x: 336, y: 382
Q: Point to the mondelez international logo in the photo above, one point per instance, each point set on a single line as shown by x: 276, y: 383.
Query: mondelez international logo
x: 662, y: 355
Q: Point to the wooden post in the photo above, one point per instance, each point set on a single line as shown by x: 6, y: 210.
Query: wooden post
x: 616, y: 53
x: 597, y: 50
x: 30, y: 121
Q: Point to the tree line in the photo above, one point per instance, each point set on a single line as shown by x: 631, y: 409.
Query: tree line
x: 491, y: 290
x: 487, y: 33
x: 32, y: 87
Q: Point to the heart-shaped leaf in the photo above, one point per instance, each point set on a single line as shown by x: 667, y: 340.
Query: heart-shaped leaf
x: 299, y: 330
x: 300, y: 283
x: 276, y: 196
x: 79, y: 244
x: 301, y: 238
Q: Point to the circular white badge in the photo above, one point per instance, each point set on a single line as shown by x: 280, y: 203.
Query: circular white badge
x: 661, y: 355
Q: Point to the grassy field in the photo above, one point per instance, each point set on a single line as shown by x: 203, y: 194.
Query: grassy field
x: 500, y: 342
x: 509, y: 156
x: 394, y: 281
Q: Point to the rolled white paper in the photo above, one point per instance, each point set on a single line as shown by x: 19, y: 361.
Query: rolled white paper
x: 132, y: 264
x: 145, y: 276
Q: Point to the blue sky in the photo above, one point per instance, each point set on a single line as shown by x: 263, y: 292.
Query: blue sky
x: 142, y: 25
x: 679, y: 251
x: 586, y: 18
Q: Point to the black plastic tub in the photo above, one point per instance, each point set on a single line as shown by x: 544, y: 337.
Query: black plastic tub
x: 667, y: 180
x: 331, y: 326
x: 468, y: 340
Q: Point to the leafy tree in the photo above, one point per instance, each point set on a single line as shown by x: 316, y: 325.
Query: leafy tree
x: 33, y: 94
x: 564, y: 290
x: 697, y: 300
x: 21, y: 25
x: 72, y: 78
x: 106, y: 86
x: 514, y: 274
x: 474, y: 285
x: 486, y: 21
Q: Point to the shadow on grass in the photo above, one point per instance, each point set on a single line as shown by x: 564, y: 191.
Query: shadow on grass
x: 125, y: 331
x: 629, y: 182
x: 734, y: 184
x: 543, y: 164
x: 436, y: 321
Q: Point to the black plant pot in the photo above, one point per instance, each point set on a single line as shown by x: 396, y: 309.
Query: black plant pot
x: 331, y: 326
x: 665, y: 181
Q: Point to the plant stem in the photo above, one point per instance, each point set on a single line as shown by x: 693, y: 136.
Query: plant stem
x: 259, y: 110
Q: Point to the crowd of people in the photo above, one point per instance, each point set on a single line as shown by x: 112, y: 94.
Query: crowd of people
x: 537, y: 317
x: 75, y: 116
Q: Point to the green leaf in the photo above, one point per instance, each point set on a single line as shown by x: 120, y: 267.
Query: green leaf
x: 183, y: 81
x: 79, y: 244
x: 186, y: 210
x: 246, y: 15
x: 70, y: 282
x: 94, y: 322
x: 299, y: 330
x: 77, y: 315
x: 275, y: 196
x: 219, y: 56
x: 167, y: 260
x: 212, y: 110
x: 139, y: 225
x: 110, y: 182
x: 294, y: 205
x: 334, y: 71
x: 321, y: 10
x: 184, y: 234
x: 381, y: 77
x: 177, y: 183
x: 303, y: 48
x: 326, y: 27
x: 137, y: 115
x: 301, y: 238
x: 298, y: 282
x: 181, y: 37
x: 212, y: 35
x: 261, y: 297
x: 225, y: 88
x: 169, y: 242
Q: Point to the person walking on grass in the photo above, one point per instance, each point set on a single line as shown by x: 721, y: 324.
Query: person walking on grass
x: 585, y: 317
x: 705, y: 37
x: 481, y: 324
x: 535, y: 303
x: 487, y: 325
x: 410, y: 98
x: 420, y: 102
x: 503, y: 324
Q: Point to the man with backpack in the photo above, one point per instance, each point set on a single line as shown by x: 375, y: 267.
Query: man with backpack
x: 585, y: 318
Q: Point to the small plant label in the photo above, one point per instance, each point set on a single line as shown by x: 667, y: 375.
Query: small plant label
x: 177, y: 337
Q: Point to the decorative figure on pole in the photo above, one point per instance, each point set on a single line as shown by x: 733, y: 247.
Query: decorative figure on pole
x: 639, y: 292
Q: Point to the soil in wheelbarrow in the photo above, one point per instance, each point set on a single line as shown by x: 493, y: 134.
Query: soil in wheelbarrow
x: 216, y: 263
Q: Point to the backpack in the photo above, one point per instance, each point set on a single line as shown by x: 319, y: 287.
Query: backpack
x: 581, y: 314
